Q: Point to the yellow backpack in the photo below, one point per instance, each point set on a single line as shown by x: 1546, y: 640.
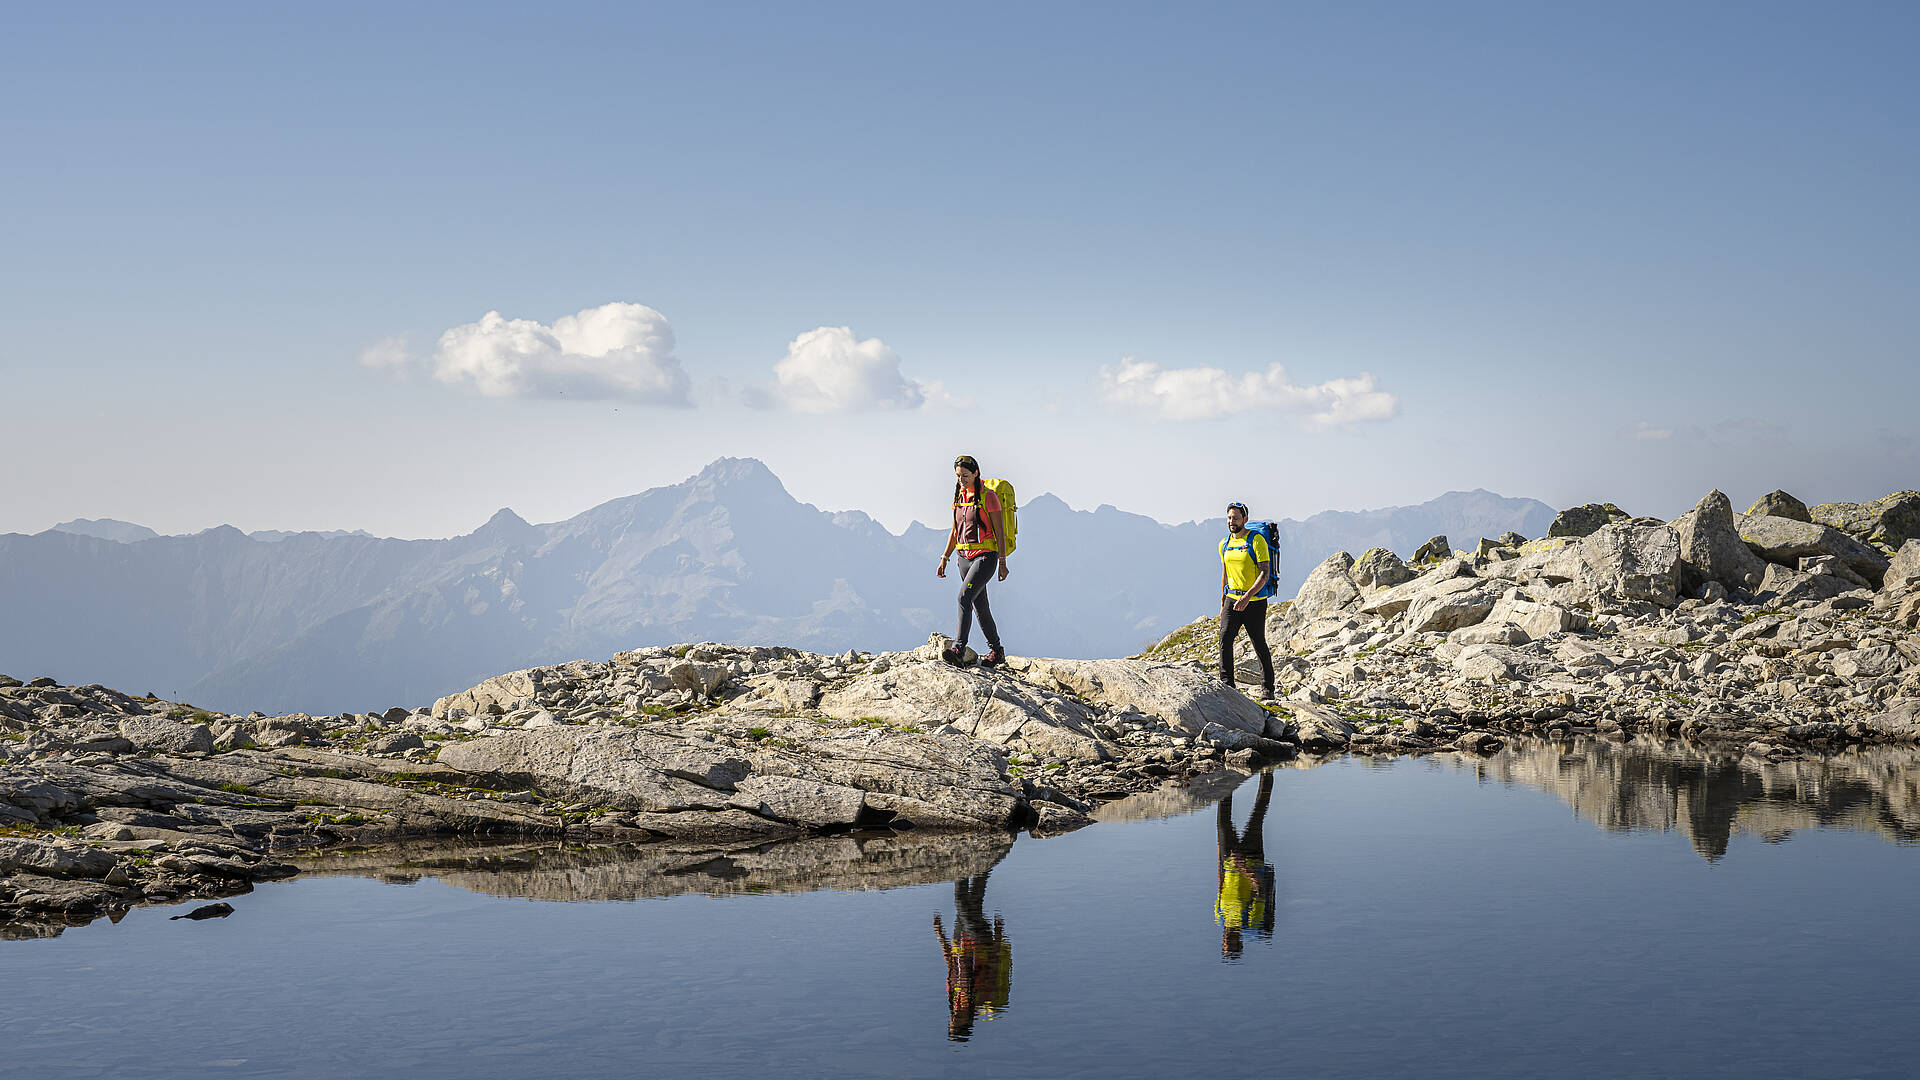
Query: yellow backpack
x: 1006, y: 530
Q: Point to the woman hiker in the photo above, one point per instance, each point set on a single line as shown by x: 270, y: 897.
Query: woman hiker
x: 976, y: 514
x: 1245, y: 563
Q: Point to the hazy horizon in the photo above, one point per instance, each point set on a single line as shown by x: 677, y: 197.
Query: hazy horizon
x: 351, y: 529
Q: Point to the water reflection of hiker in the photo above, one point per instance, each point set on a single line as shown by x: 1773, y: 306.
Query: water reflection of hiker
x: 1246, y: 881
x: 1246, y: 565
x: 976, y: 519
x: 979, y: 959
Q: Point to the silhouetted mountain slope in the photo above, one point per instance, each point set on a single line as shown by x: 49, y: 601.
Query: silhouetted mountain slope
x: 328, y: 622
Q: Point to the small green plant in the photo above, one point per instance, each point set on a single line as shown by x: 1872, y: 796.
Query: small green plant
x: 759, y: 734
x: 680, y: 651
x: 236, y: 789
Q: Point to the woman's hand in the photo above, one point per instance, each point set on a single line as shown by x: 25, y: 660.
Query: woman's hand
x: 941, y: 570
x: 1003, y: 571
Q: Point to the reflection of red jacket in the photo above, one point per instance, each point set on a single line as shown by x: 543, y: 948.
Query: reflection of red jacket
x: 979, y: 974
x: 973, y: 524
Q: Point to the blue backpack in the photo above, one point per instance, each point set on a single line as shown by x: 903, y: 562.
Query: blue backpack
x: 1272, y: 533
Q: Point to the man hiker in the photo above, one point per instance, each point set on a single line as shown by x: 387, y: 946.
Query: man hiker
x: 1246, y: 563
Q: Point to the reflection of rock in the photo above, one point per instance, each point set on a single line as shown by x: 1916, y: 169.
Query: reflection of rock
x: 1712, y: 795
x: 553, y: 871
x: 1173, y: 800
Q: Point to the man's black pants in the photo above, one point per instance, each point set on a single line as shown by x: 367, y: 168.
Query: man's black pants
x: 1254, y: 619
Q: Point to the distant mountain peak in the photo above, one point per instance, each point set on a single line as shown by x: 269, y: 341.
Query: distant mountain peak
x: 121, y: 532
x: 729, y: 469
x: 507, y: 527
x: 741, y: 476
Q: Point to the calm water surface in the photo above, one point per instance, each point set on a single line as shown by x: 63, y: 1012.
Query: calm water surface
x: 1586, y: 911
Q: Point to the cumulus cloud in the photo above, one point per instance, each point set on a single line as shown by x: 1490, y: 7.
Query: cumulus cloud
x: 1645, y: 432
x: 829, y: 370
x: 612, y: 351
x: 1205, y: 393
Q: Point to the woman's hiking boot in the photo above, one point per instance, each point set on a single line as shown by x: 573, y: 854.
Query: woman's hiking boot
x: 994, y: 658
x: 959, y: 656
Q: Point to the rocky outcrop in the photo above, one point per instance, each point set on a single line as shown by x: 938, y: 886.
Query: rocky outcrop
x: 1778, y: 503
x: 1711, y: 548
x: 1578, y: 521
x: 796, y: 777
x: 1887, y: 522
x: 1327, y: 589
x: 1636, y: 628
x: 1903, y: 572
x: 1378, y: 569
x: 1620, y: 563
x: 126, y: 800
x: 1785, y: 543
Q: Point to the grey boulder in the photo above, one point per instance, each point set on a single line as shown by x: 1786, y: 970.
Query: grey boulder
x: 1379, y: 568
x: 1778, y: 503
x: 1711, y: 548
x: 1328, y: 589
x: 1622, y: 562
x: 1890, y: 520
x: 1577, y: 521
x: 1785, y: 542
x: 157, y: 735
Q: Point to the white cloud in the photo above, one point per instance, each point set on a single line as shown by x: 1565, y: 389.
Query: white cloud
x: 1205, y: 393
x: 1645, y: 432
x: 612, y: 351
x: 829, y: 370
x: 387, y: 353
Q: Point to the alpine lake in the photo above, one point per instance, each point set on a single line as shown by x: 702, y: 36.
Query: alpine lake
x: 1564, y: 909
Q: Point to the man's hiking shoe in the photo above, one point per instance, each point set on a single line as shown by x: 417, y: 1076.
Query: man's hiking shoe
x: 993, y: 659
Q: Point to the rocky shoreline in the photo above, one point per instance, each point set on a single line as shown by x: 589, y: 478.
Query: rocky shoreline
x: 1772, y: 634
x: 1768, y: 631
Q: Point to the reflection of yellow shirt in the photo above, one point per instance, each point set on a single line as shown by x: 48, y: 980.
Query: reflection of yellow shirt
x: 1242, y: 558
x: 1239, y: 905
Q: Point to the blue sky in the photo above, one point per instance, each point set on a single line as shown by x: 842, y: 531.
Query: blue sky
x: 1625, y: 251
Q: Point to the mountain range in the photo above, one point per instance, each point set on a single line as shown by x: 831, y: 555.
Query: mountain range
x: 344, y: 621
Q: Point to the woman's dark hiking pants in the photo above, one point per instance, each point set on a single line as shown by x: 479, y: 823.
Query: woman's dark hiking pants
x: 1254, y: 618
x: 975, y: 572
